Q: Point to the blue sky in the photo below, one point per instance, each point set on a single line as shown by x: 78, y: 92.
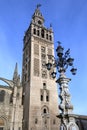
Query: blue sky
x: 69, y: 21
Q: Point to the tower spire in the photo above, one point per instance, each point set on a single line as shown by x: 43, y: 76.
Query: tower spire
x: 15, y: 75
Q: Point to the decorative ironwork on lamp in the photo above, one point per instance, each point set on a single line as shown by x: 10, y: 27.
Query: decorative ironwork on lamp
x: 63, y: 61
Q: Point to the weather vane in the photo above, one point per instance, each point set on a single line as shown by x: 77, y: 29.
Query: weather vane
x: 38, y: 5
x: 50, y: 25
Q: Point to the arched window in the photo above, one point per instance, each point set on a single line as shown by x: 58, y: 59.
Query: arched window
x: 38, y: 33
x: 34, y: 31
x: 44, y: 111
x: 42, y: 33
x: 2, y: 95
x: 47, y: 98
x: 50, y: 37
x: 39, y: 22
x: 41, y: 97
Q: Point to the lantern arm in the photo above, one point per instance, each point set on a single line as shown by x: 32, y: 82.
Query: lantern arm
x: 62, y: 62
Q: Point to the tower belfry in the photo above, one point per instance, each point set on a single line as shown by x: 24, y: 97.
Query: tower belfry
x: 40, y: 98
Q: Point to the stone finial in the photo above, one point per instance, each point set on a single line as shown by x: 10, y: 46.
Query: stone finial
x: 15, y: 75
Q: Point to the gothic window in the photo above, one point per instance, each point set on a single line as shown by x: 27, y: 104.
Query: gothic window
x: 38, y: 32
x: 36, y: 67
x: 34, y: 31
x: 42, y: 33
x: 36, y: 49
x: 2, y: 95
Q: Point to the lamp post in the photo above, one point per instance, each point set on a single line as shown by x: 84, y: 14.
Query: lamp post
x: 62, y: 62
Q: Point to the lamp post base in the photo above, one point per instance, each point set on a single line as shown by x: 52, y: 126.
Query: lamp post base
x: 68, y: 122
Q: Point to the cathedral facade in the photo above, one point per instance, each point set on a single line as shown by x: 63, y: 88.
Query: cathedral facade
x: 11, y: 108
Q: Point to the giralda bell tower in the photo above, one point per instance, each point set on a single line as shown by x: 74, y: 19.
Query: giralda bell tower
x: 40, y: 98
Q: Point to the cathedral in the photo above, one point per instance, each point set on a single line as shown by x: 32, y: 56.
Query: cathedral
x: 32, y: 102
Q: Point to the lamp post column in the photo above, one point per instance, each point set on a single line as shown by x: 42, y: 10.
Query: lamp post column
x: 67, y: 117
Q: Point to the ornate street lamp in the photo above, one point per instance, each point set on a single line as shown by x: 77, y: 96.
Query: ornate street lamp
x: 62, y: 62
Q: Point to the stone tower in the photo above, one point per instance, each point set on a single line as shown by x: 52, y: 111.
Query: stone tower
x: 40, y: 98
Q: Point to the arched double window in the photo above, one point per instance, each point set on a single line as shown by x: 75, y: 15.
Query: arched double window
x: 34, y: 31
